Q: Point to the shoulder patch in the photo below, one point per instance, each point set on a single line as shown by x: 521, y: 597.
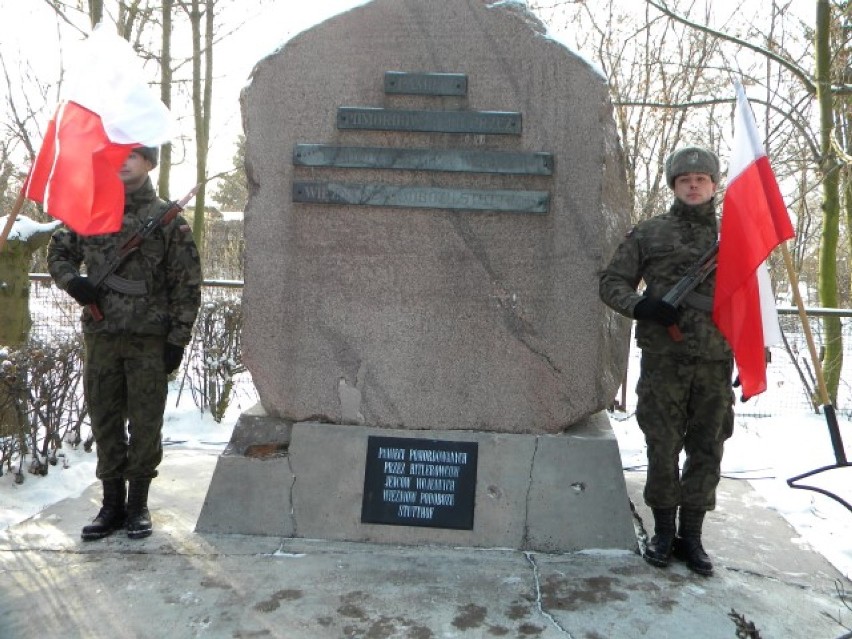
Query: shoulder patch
x: 630, y: 232
x: 185, y: 228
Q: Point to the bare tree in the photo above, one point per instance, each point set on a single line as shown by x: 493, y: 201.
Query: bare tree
x: 202, y: 23
x: 163, y: 184
x: 670, y: 61
x: 827, y: 86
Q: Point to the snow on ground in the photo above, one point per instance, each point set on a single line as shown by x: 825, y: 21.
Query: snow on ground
x: 767, y: 452
x: 764, y: 451
x: 185, y: 427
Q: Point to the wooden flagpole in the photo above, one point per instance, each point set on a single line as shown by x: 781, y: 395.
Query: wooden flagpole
x: 10, y: 221
x: 825, y: 400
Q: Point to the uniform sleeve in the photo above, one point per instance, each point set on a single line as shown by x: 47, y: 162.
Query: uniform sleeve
x: 39, y: 238
x: 183, y: 281
x: 618, y: 281
x: 63, y: 257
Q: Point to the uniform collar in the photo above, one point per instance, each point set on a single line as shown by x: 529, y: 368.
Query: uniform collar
x: 145, y: 194
x: 697, y: 213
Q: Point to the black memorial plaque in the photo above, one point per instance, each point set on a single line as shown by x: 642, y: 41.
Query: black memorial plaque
x: 422, y: 197
x: 455, y: 160
x: 419, y: 482
x: 430, y: 121
x: 425, y: 83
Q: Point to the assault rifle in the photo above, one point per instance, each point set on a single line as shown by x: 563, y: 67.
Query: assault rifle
x: 107, y: 274
x: 696, y: 274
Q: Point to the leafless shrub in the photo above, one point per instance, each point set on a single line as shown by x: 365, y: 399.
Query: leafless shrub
x: 41, y: 404
x: 215, y: 357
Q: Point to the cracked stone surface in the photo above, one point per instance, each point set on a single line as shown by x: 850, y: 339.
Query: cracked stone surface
x: 418, y: 318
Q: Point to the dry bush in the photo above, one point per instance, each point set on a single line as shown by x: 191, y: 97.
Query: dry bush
x: 41, y: 404
x: 215, y: 356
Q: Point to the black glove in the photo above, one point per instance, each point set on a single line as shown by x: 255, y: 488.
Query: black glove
x: 656, y: 310
x: 81, y: 289
x: 172, y: 356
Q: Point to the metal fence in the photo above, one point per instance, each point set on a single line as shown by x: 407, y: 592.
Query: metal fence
x: 790, y: 373
x: 55, y: 314
x: 791, y: 383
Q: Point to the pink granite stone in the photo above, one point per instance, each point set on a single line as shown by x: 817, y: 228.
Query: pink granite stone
x: 428, y: 318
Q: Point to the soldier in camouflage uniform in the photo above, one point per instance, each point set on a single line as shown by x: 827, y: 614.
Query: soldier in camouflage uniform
x: 684, y: 392
x: 149, y: 306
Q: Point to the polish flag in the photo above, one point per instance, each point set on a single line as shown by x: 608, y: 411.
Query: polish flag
x: 754, y: 222
x: 108, y: 111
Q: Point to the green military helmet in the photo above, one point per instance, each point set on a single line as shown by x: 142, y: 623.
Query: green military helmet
x: 692, y: 159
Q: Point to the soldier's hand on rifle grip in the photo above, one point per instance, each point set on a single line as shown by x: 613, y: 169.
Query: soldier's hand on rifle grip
x: 657, y: 310
x: 82, y: 290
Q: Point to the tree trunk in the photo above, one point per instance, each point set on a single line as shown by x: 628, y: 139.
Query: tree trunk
x: 833, y: 339
x: 163, y: 185
x: 201, y: 98
x: 96, y: 11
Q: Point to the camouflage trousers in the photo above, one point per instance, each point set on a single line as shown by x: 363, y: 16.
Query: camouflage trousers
x: 126, y: 386
x: 684, y: 404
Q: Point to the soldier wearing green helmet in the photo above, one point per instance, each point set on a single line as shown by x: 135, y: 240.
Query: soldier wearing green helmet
x: 685, y: 399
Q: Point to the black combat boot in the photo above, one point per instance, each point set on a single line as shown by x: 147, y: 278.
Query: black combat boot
x: 658, y: 552
x: 687, y: 545
x: 112, y: 513
x: 138, y: 518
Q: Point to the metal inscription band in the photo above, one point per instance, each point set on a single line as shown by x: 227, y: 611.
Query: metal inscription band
x: 421, y: 197
x: 481, y: 122
x: 468, y: 161
x: 425, y: 83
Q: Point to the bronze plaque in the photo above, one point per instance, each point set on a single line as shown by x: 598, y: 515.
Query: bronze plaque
x: 514, y: 201
x: 458, y: 160
x: 478, y: 122
x: 425, y: 83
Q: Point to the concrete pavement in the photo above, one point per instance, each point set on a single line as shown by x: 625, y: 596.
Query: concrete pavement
x: 181, y: 584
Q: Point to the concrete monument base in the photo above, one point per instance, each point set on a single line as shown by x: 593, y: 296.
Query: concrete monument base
x: 548, y: 493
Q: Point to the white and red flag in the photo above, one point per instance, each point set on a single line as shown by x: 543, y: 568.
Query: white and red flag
x: 754, y: 222
x: 107, y: 111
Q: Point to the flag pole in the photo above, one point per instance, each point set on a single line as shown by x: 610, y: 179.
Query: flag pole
x: 10, y: 221
x: 800, y: 306
x: 827, y: 407
x: 825, y: 400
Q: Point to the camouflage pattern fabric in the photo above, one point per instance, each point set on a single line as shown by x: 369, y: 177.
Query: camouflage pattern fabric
x: 167, y: 262
x: 684, y: 404
x: 125, y: 380
x: 684, y: 391
x: 125, y: 383
x: 660, y: 251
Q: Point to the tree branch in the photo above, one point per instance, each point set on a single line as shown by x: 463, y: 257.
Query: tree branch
x: 57, y: 9
x: 701, y: 103
x: 784, y: 62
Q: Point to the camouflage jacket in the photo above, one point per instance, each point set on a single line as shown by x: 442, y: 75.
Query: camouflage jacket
x: 167, y: 262
x: 660, y: 251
